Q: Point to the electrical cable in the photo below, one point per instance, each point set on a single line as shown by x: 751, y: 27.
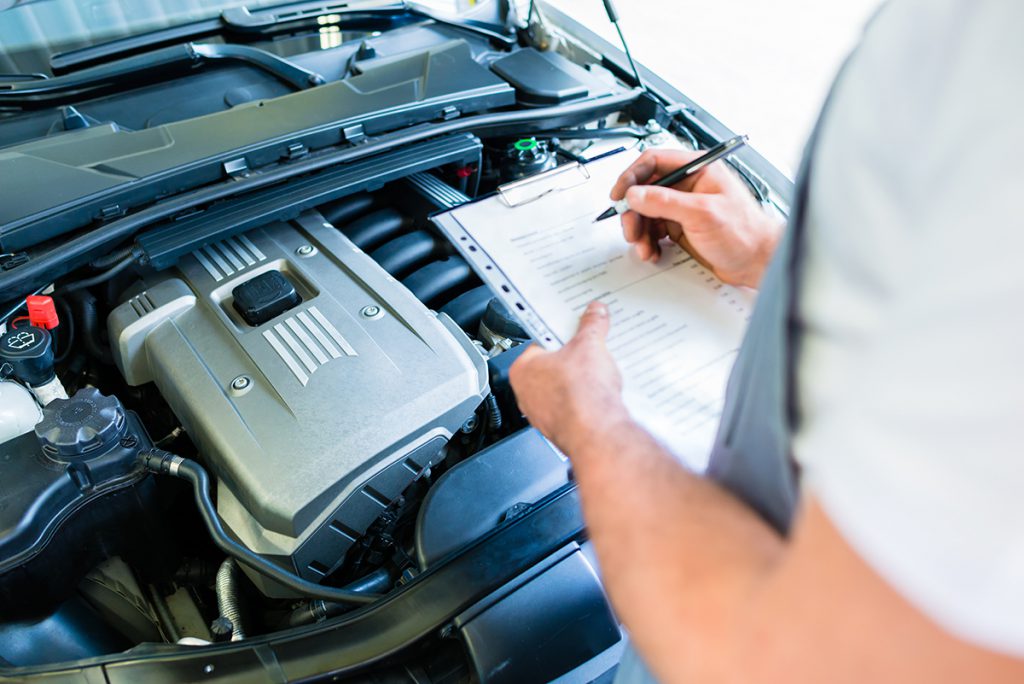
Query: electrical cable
x: 166, y: 463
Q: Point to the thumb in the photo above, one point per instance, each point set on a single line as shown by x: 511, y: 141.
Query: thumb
x: 654, y: 201
x: 594, y: 323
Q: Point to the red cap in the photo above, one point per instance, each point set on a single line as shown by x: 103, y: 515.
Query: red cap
x: 465, y: 172
x: 41, y: 312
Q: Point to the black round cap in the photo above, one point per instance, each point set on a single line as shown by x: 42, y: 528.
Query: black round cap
x: 29, y: 351
x: 500, y: 321
x: 85, y: 425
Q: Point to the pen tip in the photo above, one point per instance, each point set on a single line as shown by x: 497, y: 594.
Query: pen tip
x: 606, y: 214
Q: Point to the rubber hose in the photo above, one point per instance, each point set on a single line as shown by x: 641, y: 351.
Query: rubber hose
x: 166, y: 463
x: 227, y: 597
x: 468, y: 308
x: 494, y: 420
x: 88, y: 325
x: 112, y: 258
x: 196, y: 571
x: 378, y: 581
x: 103, y: 277
x: 67, y: 321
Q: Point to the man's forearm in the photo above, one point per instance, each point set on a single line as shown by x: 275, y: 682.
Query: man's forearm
x: 679, y: 554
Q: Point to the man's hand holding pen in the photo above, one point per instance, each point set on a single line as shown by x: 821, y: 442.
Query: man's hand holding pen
x: 710, y: 214
x: 572, y: 395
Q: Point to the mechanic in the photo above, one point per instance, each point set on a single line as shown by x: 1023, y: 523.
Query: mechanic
x: 860, y: 519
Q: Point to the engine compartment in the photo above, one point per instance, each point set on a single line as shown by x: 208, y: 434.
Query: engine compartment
x: 322, y: 427
x: 268, y: 353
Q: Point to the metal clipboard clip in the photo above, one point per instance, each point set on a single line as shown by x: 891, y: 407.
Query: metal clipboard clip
x: 520, y: 192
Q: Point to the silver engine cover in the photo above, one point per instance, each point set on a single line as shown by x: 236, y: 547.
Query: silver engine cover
x: 315, y: 421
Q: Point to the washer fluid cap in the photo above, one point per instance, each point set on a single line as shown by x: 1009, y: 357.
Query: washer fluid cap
x: 29, y: 351
x: 85, y: 425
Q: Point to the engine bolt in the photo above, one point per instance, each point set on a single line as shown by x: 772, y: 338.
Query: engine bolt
x: 306, y: 251
x: 129, y: 441
x: 241, y: 382
x: 372, y: 311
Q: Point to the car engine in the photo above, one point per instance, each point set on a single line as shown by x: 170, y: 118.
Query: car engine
x: 317, y: 402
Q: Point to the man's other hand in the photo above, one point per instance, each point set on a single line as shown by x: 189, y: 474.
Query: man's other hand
x: 571, y: 393
x: 711, y: 215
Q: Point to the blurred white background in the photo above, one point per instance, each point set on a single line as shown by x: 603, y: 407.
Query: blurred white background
x: 763, y: 67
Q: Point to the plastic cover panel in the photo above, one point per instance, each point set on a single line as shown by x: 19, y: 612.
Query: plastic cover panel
x: 94, y: 169
x: 350, y: 394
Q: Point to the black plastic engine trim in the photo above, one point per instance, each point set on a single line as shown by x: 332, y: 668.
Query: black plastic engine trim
x: 363, y: 637
x: 88, y: 245
x: 162, y: 246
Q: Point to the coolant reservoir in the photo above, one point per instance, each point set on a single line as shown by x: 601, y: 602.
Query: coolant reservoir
x: 18, y: 411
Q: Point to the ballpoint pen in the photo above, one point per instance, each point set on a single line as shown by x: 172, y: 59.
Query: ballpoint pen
x: 711, y: 156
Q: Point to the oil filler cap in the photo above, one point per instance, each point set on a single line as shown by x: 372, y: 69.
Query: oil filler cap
x: 85, y: 425
x: 267, y: 295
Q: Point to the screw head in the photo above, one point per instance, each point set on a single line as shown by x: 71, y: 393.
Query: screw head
x: 241, y: 385
x: 372, y: 311
x: 306, y: 251
x: 129, y: 441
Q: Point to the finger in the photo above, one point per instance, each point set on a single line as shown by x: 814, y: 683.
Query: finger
x: 651, y: 164
x: 667, y: 203
x: 594, y: 323
x: 657, y: 234
x: 531, y: 352
x: 645, y: 246
x: 643, y: 249
x: 522, y: 364
x: 632, y: 227
x: 661, y: 229
x: 653, y: 250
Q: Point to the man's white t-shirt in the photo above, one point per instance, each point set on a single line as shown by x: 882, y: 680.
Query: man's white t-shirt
x: 911, y: 363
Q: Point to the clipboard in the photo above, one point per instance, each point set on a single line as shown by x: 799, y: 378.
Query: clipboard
x: 514, y: 195
x: 676, y: 328
x: 532, y: 188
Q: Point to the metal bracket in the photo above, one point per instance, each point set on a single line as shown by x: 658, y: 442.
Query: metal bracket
x: 354, y: 134
x: 112, y: 211
x: 237, y: 168
x: 296, y: 150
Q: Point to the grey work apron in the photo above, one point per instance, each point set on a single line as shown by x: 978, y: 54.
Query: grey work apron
x: 752, y: 454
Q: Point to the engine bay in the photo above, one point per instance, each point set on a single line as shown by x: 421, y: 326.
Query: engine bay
x: 325, y: 371
x: 247, y: 388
